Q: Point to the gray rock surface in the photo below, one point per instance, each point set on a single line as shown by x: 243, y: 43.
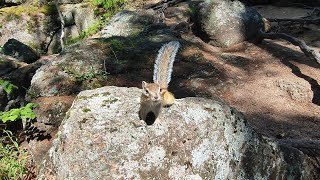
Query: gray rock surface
x: 64, y: 75
x: 55, y: 45
x: 16, y: 2
x: 7, y: 64
x: 34, y: 29
x: 20, y: 51
x: 83, y: 15
x: 126, y: 23
x: 102, y: 137
x: 229, y: 22
x: 68, y: 17
x: 38, y: 29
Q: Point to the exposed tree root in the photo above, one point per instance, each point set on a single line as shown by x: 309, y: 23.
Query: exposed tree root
x: 302, y: 21
x: 309, y: 52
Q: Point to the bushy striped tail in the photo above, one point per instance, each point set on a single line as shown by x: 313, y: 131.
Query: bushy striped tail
x: 164, y: 63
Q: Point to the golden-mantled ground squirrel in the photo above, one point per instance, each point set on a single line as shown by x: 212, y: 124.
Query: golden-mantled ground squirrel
x: 156, y: 95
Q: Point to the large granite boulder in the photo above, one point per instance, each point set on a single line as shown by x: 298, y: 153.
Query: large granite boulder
x: 20, y: 51
x: 13, y: 2
x: 101, y: 137
x: 226, y: 23
x: 126, y: 23
x: 8, y: 64
x: 81, y: 15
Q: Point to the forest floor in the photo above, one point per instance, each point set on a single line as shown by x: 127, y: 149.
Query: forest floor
x: 276, y: 85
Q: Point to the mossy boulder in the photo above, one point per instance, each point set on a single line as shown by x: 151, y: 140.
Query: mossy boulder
x: 39, y: 26
x: 30, y: 24
x: 7, y: 64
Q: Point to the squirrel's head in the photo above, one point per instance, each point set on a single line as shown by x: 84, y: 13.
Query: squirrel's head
x: 151, y: 90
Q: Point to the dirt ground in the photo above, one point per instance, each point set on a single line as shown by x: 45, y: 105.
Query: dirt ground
x: 273, y: 83
x: 280, y: 94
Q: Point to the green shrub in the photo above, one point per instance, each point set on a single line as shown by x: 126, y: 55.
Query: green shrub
x: 89, y: 76
x: 111, y: 5
x: 108, y: 8
x: 7, y: 86
x: 23, y: 113
x: 13, y: 160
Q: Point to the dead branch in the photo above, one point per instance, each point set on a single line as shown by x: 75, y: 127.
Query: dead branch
x: 309, y: 52
x: 304, y: 21
x: 163, y: 4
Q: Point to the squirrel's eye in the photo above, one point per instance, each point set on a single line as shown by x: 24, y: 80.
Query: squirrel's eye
x: 147, y: 92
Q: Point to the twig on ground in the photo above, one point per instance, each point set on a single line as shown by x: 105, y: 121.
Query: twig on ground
x: 309, y: 52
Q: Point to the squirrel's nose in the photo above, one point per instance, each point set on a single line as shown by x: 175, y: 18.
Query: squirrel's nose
x: 156, y: 98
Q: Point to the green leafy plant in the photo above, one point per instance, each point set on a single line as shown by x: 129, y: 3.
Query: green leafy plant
x: 49, y: 9
x: 7, y: 86
x: 13, y: 159
x: 80, y: 77
x: 23, y: 113
x: 84, y: 34
x: 108, y: 8
x: 110, y: 4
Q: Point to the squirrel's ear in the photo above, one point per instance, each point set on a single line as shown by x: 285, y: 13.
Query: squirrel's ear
x: 144, y: 84
x: 162, y: 91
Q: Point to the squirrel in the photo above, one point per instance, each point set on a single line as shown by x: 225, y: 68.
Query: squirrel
x: 156, y: 95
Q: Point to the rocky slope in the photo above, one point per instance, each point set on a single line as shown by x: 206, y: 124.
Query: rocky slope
x: 37, y: 24
x: 272, y: 83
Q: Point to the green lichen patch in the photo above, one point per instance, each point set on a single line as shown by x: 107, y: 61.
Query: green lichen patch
x: 88, y: 97
x: 107, y: 102
x: 106, y: 93
x: 86, y: 110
